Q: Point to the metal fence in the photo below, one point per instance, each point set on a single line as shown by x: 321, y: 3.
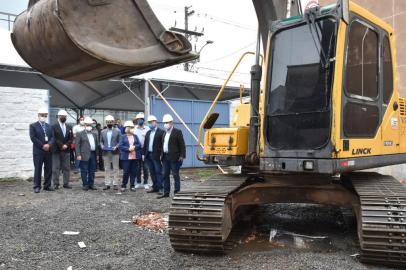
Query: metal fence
x: 7, y: 20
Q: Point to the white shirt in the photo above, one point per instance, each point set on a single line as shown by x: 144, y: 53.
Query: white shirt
x: 141, y: 132
x: 63, y: 128
x: 91, y: 141
x: 151, y: 139
x: 166, y: 141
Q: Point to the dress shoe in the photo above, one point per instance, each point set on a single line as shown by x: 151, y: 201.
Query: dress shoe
x: 56, y: 187
x: 85, y: 188
x: 106, y: 188
x: 67, y: 187
x: 37, y: 190
x: 153, y: 191
x: 49, y: 189
x: 133, y: 189
x: 93, y: 188
x: 163, y: 196
x: 115, y: 187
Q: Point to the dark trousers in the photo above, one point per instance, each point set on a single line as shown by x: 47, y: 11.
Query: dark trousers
x: 130, y: 168
x: 43, y: 159
x: 88, y: 170
x: 142, y: 166
x: 155, y: 170
x: 168, y: 167
x: 60, y: 162
x: 101, y: 161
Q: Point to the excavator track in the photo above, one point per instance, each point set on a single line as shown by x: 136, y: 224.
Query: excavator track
x: 381, y: 219
x: 200, y: 219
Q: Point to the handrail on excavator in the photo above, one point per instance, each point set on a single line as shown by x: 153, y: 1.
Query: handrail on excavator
x: 223, y: 87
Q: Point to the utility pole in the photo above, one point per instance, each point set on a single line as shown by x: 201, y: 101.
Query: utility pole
x: 188, y: 34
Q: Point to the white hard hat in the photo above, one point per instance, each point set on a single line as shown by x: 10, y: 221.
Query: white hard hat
x: 43, y: 111
x: 152, y: 118
x: 167, y: 118
x: 88, y: 120
x: 140, y: 116
x: 109, y: 118
x: 128, y: 124
x: 62, y: 113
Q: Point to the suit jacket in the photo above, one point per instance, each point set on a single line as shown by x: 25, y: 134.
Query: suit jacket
x: 60, y: 140
x: 176, y: 145
x: 157, y: 144
x: 125, y: 145
x: 82, y: 145
x: 37, y: 136
x: 115, y: 140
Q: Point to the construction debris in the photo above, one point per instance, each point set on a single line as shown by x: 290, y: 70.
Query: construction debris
x: 81, y: 244
x: 70, y: 233
x: 152, y: 221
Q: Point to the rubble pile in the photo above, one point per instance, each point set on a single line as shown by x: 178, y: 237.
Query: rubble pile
x: 152, y: 221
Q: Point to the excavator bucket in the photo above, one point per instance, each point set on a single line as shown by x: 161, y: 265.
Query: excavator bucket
x: 84, y: 40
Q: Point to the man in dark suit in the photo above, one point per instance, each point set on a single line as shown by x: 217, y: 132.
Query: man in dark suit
x: 61, y: 150
x: 174, y: 151
x: 152, y: 152
x: 42, y: 139
x: 86, y: 153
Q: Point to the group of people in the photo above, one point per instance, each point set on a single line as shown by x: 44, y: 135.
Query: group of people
x: 140, y: 149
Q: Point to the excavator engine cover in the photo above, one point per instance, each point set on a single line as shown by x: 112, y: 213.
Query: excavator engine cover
x: 84, y: 40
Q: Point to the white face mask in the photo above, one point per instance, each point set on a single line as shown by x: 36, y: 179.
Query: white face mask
x: 42, y: 119
x: 167, y: 126
x: 89, y: 128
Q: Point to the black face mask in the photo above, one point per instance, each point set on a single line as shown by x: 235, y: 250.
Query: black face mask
x: 62, y: 119
x: 110, y: 126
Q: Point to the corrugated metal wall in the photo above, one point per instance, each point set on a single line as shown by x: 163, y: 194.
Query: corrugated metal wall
x: 192, y: 112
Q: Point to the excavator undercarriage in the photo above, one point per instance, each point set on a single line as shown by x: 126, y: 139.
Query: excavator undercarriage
x: 200, y: 220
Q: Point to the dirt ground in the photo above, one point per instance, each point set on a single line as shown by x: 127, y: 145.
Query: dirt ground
x: 31, y: 227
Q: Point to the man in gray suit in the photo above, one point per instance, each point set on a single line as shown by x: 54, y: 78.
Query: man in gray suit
x: 86, y: 152
x: 109, y: 141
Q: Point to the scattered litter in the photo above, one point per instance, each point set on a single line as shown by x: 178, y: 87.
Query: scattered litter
x: 103, y: 204
x: 21, y: 194
x: 119, y: 193
x: 152, y: 221
x: 2, y: 265
x: 250, y: 238
x: 126, y: 221
x: 354, y: 255
x: 81, y: 244
x: 283, y: 239
x: 69, y: 268
x: 16, y: 260
x: 70, y: 233
x: 124, y: 202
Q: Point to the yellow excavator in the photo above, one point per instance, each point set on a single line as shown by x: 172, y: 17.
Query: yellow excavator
x: 324, y: 106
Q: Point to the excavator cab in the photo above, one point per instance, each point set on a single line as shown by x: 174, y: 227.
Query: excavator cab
x: 83, y: 40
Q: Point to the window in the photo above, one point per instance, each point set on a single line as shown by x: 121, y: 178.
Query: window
x: 360, y: 120
x: 387, y: 71
x: 362, y: 61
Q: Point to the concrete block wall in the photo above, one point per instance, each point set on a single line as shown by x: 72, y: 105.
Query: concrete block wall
x: 18, y: 109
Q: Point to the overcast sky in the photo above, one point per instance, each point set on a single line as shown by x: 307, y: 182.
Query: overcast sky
x: 230, y: 24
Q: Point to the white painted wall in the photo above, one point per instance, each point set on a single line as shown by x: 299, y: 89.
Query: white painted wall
x: 18, y: 109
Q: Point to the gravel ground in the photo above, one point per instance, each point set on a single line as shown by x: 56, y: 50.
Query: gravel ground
x: 32, y: 225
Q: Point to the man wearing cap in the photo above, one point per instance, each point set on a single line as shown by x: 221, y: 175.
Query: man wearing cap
x: 109, y: 142
x: 141, y: 131
x: 42, y: 139
x: 152, y: 152
x: 86, y: 153
x: 61, y: 150
x: 174, y: 151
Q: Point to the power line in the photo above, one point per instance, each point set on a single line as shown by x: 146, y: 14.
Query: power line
x: 230, y: 54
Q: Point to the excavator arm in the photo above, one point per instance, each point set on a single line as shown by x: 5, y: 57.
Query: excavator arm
x: 84, y: 40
